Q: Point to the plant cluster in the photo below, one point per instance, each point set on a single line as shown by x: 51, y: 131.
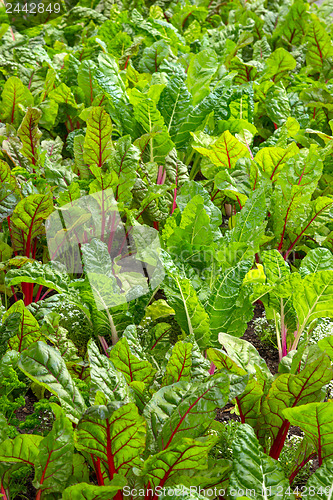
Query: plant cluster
x: 199, y: 134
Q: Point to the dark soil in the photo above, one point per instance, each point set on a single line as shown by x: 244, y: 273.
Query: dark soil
x: 224, y: 414
x: 30, y: 493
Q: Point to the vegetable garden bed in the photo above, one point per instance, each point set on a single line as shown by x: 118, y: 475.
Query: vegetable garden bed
x: 166, y: 239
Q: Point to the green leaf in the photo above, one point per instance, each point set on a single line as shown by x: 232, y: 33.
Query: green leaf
x: 104, y: 377
x: 84, y: 491
x: 303, y: 169
x: 326, y: 345
x: 85, y: 78
x: 9, y: 199
x: 110, y: 83
x: 14, y: 93
x: 41, y: 274
x: 4, y: 429
x: 316, y: 300
x: 222, y: 361
x: 148, y: 116
x: 133, y: 368
x: 29, y: 134
x: 116, y: 435
x: 5, y: 251
x: 224, y: 153
x: 22, y: 449
x: 217, y: 100
x: 315, y: 420
x: 187, y: 456
x: 188, y: 191
x: 193, y: 228
x: 272, y: 159
x: 201, y: 69
x: 6, y: 175
x: 44, y: 365
x: 28, y: 330
x: 56, y: 451
x: 294, y: 26
x: 186, y: 409
x: 179, y: 364
x: 289, y: 390
x: 174, y: 104
x: 244, y: 354
x: 63, y: 95
x: 225, y: 313
x: 245, y: 72
x: 186, y: 492
x: 153, y: 56
x: 28, y: 217
x: 276, y: 268
x: 277, y: 104
x: 252, y: 470
x: 249, y: 223
x: 58, y: 336
x: 124, y: 161
x: 97, y: 142
x: 189, y: 312
x: 318, y: 259
x: 279, y: 63
x: 79, y: 158
x: 319, y: 47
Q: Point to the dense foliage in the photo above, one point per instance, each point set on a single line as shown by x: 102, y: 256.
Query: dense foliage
x: 210, y: 123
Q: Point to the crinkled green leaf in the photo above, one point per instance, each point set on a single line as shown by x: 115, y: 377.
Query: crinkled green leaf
x: 253, y: 470
x: 44, y: 365
x: 226, y: 315
x: 174, y: 104
x: 104, y: 377
x: 318, y: 259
